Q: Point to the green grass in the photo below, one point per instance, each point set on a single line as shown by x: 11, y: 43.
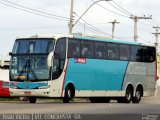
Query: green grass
x: 8, y: 99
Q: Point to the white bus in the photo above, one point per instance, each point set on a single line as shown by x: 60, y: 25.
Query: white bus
x: 67, y: 66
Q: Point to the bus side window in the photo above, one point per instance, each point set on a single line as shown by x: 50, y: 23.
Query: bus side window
x: 73, y: 48
x: 100, y: 50
x: 87, y: 49
x: 59, y: 58
x: 136, y: 53
x: 151, y: 54
x: 124, y: 52
x: 112, y: 51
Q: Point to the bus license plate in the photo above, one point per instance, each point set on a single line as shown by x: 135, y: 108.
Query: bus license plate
x: 27, y: 93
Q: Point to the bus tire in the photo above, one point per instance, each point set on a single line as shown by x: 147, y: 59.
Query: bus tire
x: 68, y: 94
x: 32, y: 99
x: 138, y: 95
x: 23, y: 98
x: 129, y: 95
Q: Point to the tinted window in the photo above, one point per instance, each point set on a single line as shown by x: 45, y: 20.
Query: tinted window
x: 87, y: 49
x: 59, y: 58
x: 61, y: 48
x: 124, y: 52
x: 100, y: 50
x: 136, y: 53
x: 112, y: 51
x: 144, y: 57
x: 142, y: 54
x: 73, y: 48
x: 33, y: 46
x: 151, y: 54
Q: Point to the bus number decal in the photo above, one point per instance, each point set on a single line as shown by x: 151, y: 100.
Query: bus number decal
x: 80, y: 60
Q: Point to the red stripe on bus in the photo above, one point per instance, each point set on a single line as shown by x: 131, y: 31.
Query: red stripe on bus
x: 65, y: 70
x: 156, y: 67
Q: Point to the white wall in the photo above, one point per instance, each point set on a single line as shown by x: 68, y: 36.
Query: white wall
x: 4, y: 74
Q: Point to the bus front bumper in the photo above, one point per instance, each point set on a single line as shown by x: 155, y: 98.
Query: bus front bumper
x: 30, y: 93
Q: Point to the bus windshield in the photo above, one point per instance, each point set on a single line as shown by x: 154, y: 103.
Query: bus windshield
x: 23, y: 46
x: 29, y: 60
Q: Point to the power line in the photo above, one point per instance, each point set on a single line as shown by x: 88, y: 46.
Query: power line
x: 156, y: 21
x: 93, y: 27
x: 145, y: 40
x: 89, y: 29
x: 119, y: 9
x: 122, y: 8
x: 110, y: 10
x: 31, y: 10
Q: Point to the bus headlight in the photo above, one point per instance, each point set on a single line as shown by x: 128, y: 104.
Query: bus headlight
x: 44, y: 87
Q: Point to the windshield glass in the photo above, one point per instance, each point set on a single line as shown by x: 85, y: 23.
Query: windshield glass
x: 29, y: 59
x: 30, y: 68
x: 42, y: 45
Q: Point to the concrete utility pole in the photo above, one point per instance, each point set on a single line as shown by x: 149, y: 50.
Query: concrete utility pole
x: 136, y: 18
x: 156, y: 45
x: 113, y: 27
x: 71, y: 17
x: 156, y: 35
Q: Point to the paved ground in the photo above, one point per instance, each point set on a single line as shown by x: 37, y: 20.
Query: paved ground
x: 149, y: 107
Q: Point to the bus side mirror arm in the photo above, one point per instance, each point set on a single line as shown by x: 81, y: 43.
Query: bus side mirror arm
x: 10, y: 53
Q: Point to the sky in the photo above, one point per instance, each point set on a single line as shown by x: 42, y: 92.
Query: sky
x: 15, y: 22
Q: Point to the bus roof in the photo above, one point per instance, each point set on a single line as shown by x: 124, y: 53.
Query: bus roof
x: 107, y: 40
x: 82, y: 36
x: 56, y: 36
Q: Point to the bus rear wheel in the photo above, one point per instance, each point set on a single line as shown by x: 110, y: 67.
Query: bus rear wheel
x: 32, y: 99
x: 138, y: 95
x: 129, y: 95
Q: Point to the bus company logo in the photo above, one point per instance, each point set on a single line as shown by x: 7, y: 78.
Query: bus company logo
x: 150, y: 116
x: 80, y: 60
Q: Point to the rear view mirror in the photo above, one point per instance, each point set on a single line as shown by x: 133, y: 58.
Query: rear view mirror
x: 10, y: 53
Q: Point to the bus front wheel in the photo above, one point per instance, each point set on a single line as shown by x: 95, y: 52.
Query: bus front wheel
x: 32, y: 99
x: 68, y: 94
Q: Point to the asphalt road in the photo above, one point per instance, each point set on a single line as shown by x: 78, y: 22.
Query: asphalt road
x: 147, y: 105
x: 148, y: 109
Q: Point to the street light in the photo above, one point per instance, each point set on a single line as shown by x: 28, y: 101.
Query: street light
x: 71, y: 25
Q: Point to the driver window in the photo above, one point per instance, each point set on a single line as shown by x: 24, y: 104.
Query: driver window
x: 59, y: 58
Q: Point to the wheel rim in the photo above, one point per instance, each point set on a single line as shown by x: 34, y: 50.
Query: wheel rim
x: 128, y: 95
x: 69, y: 93
x: 138, y: 94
